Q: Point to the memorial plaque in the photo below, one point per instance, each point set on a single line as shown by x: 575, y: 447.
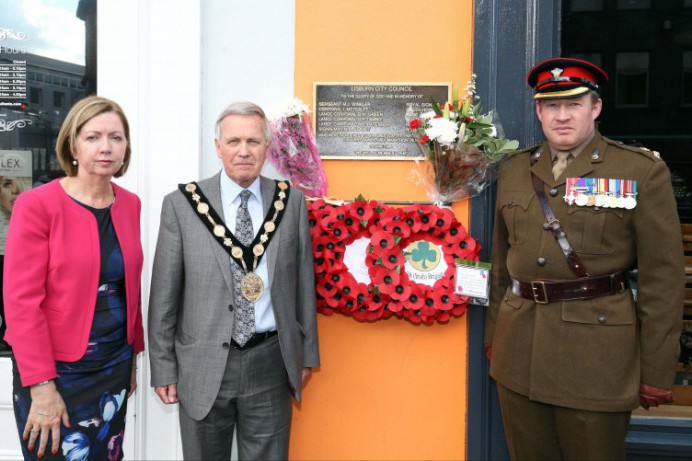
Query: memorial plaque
x: 366, y: 121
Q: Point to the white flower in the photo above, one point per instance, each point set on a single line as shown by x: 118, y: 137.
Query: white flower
x: 442, y: 130
x: 288, y: 109
x: 427, y: 115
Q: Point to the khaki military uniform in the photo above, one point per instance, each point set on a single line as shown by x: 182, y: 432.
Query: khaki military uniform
x: 586, y: 354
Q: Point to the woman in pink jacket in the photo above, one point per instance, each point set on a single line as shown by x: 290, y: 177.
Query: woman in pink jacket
x: 73, y: 261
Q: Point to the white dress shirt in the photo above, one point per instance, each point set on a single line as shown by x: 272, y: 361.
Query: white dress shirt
x: 230, y: 198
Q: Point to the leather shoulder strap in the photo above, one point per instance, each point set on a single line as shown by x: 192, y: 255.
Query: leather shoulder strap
x: 573, y: 260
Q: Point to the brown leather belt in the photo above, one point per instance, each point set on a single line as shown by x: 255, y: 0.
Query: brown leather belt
x: 548, y: 291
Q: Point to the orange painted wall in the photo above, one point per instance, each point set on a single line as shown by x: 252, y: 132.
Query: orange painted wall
x: 386, y: 390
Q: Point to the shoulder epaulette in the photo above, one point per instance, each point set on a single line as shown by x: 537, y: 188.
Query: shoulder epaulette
x: 648, y: 153
x: 530, y: 149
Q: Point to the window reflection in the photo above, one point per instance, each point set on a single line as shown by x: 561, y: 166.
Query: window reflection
x: 43, y: 71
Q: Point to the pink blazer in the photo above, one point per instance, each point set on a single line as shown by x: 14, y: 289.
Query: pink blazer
x: 52, y: 265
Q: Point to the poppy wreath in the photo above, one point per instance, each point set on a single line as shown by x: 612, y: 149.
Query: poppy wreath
x: 390, y: 231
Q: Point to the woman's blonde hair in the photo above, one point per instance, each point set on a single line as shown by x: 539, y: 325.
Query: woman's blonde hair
x: 83, y: 111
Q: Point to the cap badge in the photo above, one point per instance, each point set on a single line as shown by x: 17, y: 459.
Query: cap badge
x: 557, y: 72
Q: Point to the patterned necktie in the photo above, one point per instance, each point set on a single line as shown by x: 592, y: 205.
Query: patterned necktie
x: 244, y: 320
x: 560, y: 163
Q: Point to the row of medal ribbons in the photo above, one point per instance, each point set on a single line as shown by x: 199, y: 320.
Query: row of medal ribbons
x: 602, y: 192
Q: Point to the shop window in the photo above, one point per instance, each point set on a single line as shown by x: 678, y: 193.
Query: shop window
x: 586, y: 5
x: 687, y: 78
x: 35, y: 96
x: 49, y: 65
x: 58, y: 99
x: 632, y: 79
x: 595, y: 58
x: 662, y: 126
x: 633, y: 4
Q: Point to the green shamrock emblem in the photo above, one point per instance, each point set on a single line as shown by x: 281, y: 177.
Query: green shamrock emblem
x: 423, y: 253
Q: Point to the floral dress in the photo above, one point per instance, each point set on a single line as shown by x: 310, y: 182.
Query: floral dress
x: 95, y: 387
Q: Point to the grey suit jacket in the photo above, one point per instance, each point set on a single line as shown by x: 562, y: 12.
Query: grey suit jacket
x: 191, y: 299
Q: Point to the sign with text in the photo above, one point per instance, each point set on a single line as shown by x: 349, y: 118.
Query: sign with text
x: 366, y: 121
x: 12, y: 82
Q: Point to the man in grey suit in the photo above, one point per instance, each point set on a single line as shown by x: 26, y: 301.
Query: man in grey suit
x: 232, y: 327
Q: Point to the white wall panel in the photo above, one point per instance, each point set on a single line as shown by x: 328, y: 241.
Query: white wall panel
x: 247, y: 53
x: 174, y: 65
x: 9, y: 439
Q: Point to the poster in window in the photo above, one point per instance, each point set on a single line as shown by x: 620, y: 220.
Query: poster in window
x: 15, y: 178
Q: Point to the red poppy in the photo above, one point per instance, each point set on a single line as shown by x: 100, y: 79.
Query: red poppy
x: 394, y: 222
x: 401, y: 291
x: 325, y: 311
x: 444, y: 218
x: 442, y: 317
x: 441, y: 299
x: 384, y: 278
x: 395, y: 307
x: 412, y: 316
x: 391, y: 214
x: 319, y: 245
x: 361, y: 296
x: 382, y: 240
x: 455, y: 234
x: 458, y: 310
x: 353, y: 226
x: 415, y: 299
x: 467, y: 249
x: 392, y: 258
x: 335, y: 301
x: 326, y: 289
x: 338, y: 231
x: 320, y: 266
x: 411, y: 219
x: 376, y: 302
x: 427, y: 217
x: 316, y: 204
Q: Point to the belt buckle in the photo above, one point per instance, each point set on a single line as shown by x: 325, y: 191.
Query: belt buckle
x: 535, y: 285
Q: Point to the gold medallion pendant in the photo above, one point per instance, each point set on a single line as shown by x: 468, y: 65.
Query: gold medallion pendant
x: 251, y: 287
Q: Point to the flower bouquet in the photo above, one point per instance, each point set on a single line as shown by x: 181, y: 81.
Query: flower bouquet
x: 293, y: 151
x: 462, y: 147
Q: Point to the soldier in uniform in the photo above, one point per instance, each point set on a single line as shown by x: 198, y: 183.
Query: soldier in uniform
x: 572, y: 352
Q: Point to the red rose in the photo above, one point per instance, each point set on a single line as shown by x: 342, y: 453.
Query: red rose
x: 414, y: 124
x: 424, y: 138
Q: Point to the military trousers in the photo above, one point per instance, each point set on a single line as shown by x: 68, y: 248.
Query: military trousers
x: 537, y: 431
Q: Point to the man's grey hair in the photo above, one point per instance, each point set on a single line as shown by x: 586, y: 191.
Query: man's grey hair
x: 246, y: 109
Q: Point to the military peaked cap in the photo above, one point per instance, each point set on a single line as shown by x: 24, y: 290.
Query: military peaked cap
x: 565, y: 78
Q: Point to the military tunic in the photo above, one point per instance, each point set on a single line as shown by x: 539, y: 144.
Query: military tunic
x: 586, y: 354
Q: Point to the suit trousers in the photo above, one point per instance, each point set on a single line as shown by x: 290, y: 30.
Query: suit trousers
x: 537, y: 431
x: 255, y: 399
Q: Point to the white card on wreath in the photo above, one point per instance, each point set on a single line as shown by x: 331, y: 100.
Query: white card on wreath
x: 473, y: 281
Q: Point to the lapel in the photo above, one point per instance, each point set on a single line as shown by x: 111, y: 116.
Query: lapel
x: 267, y: 187
x: 543, y: 167
x: 212, y: 190
x: 581, y: 166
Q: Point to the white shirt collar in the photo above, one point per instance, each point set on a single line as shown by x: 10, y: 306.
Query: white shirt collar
x: 230, y: 190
